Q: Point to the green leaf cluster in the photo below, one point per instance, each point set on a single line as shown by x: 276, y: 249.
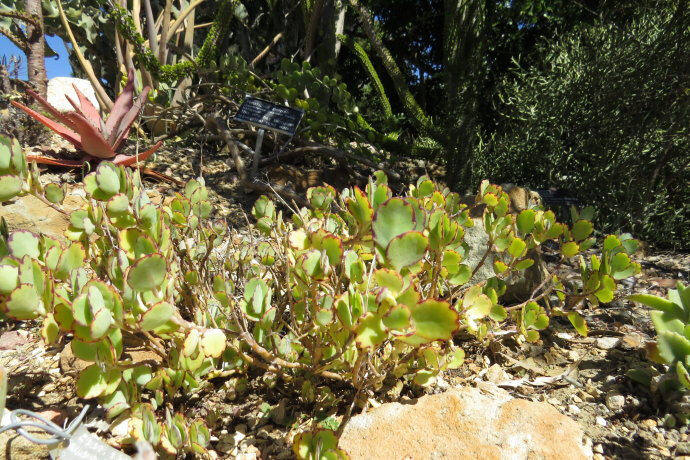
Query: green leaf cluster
x: 362, y: 287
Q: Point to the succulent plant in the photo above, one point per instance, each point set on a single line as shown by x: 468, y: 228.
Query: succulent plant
x: 671, y: 319
x: 87, y: 131
x: 360, y: 287
x: 319, y: 444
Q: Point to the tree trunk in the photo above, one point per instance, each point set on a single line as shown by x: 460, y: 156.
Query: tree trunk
x: 35, y: 56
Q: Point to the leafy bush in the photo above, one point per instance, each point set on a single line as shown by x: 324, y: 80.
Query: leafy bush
x: 606, y: 118
x: 362, y: 288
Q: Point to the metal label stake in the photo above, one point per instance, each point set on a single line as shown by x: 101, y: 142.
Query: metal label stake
x: 257, y: 152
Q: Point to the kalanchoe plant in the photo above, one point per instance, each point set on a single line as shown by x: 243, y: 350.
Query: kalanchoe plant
x: 88, y: 132
x: 361, y: 287
x: 671, y: 319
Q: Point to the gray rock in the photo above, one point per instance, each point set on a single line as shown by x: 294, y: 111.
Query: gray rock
x: 615, y: 401
x: 519, y: 285
x: 58, y: 87
x: 464, y: 423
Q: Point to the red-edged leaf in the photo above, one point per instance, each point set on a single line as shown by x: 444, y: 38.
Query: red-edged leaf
x: 63, y: 131
x: 54, y: 161
x: 91, y: 139
x: 128, y: 119
x: 122, y: 106
x: 52, y: 110
x: 125, y: 160
x: 88, y: 109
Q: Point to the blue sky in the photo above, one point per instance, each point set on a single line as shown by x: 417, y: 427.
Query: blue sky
x: 55, y: 67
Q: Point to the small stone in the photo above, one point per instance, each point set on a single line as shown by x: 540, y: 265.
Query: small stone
x: 601, y: 421
x: 683, y: 448
x: 598, y: 457
x: 553, y: 401
x: 607, y: 343
x: 576, y: 399
x: 631, y: 341
x: 585, y: 396
x: 630, y: 425
x: 573, y: 409
x: 664, y: 452
x: 672, y: 437
x: 496, y: 374
x: 598, y: 448
x: 615, y: 401
x: 648, y: 423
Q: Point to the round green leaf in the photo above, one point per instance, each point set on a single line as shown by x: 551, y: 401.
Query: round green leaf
x: 392, y: 218
x: 24, y: 303
x: 397, y: 318
x: 517, y: 247
x: 611, y: 242
x: 406, y: 249
x: 24, y: 243
x: 389, y: 279
x: 108, y: 178
x: 71, y: 258
x: 102, y: 320
x: 370, y: 331
x: 54, y: 193
x: 91, y: 382
x: 435, y: 320
x: 147, y: 273
x: 9, y: 278
x: 136, y: 243
x: 582, y: 229
x: 118, y: 204
x: 570, y: 248
x: 525, y: 221
x: 213, y: 342
x: 157, y: 316
x: 10, y: 186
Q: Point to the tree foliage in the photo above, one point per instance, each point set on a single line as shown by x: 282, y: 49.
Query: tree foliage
x: 605, y: 116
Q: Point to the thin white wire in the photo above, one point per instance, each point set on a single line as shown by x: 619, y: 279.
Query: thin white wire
x: 58, y: 434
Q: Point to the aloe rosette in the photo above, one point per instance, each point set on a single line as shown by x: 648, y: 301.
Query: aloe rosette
x: 88, y: 132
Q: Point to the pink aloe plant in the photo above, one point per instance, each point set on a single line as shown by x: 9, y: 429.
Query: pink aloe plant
x: 89, y: 133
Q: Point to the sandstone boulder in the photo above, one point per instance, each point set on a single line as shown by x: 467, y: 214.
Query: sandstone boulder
x: 30, y: 213
x: 464, y: 424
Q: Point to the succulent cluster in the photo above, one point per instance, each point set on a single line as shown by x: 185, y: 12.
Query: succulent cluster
x: 671, y: 319
x: 361, y: 287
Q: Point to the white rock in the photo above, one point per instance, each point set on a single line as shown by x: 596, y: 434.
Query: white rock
x: 607, y: 343
x: 58, y: 87
x: 573, y: 409
x: 601, y: 421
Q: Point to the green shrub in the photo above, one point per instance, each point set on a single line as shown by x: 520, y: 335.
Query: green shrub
x: 362, y: 288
